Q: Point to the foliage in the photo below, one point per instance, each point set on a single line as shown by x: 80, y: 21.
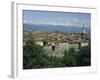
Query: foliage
x: 78, y: 58
x: 70, y: 58
x: 84, y: 56
x: 34, y: 56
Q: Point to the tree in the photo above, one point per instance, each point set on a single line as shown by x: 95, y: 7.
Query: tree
x: 70, y: 58
x: 84, y: 56
x: 34, y: 56
x: 56, y: 61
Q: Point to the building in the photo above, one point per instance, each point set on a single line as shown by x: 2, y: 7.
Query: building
x: 57, y: 42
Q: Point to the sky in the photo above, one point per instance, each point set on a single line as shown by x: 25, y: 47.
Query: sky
x: 56, y: 18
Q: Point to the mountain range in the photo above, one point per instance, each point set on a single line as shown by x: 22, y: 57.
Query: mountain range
x: 48, y: 27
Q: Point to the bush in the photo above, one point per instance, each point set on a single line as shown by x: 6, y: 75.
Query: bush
x: 34, y: 56
x: 84, y: 56
x: 70, y: 58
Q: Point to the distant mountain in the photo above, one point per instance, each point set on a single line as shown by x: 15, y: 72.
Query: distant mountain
x: 54, y: 28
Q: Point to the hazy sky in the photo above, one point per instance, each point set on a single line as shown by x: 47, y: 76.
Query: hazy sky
x: 57, y: 18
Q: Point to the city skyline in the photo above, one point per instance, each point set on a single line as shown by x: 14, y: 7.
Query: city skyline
x: 56, y: 39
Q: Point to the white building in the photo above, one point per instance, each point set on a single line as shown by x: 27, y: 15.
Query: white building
x: 39, y: 43
x: 64, y: 46
x: 84, y: 44
x: 76, y: 46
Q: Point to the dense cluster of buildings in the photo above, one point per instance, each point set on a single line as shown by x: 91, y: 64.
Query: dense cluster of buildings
x: 56, y: 42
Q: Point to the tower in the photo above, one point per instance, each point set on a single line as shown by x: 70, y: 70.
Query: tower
x: 83, y: 29
x: 83, y: 32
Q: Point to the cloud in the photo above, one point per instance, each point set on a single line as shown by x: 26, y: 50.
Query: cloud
x: 63, y: 21
x: 70, y: 22
x: 28, y: 21
x: 76, y: 20
x: 25, y: 21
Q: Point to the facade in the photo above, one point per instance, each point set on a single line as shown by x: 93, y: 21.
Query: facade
x: 39, y: 43
x: 57, y: 49
x: 75, y: 45
x: 84, y: 44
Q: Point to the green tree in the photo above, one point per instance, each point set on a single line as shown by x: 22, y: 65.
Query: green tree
x: 56, y: 61
x: 70, y: 58
x: 84, y: 56
x: 34, y: 56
